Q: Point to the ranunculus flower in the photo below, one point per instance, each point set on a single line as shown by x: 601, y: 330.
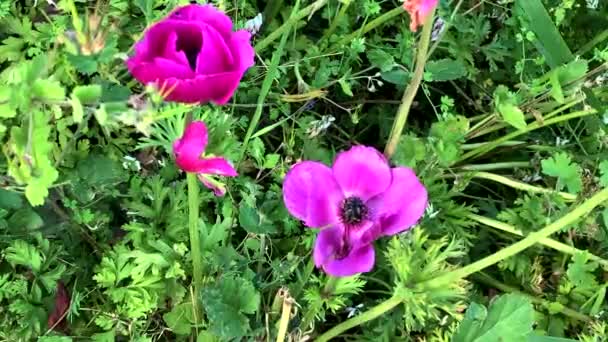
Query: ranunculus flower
x: 193, y: 56
x: 189, y: 157
x: 359, y: 199
x: 419, y: 10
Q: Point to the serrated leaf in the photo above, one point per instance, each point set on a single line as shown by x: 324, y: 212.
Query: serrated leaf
x: 88, y: 94
x: 24, y: 254
x: 252, y: 220
x: 108, y: 336
x: 345, y: 86
x: 509, y: 318
x: 271, y: 160
x: 446, y: 69
x: 48, y: 90
x: 84, y: 64
x: 226, y: 304
x: 567, y: 172
x: 180, y: 318
x: 580, y: 271
x: 381, y: 59
x: 506, y: 104
x: 396, y: 76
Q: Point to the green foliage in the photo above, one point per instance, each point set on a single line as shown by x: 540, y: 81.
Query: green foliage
x: 567, y: 172
x: 509, y: 317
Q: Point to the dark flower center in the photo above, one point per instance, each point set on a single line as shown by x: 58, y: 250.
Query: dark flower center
x: 191, y: 46
x: 353, y: 211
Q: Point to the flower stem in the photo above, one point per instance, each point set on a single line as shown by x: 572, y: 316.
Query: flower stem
x: 532, y: 239
x: 485, y: 148
x: 369, y: 26
x: 412, y: 88
x: 286, y: 27
x: 484, y: 278
x: 195, y: 244
x: 521, y: 185
x: 270, y: 76
x: 330, y: 286
x: 367, y: 316
x: 558, y: 246
x: 496, y: 166
x: 378, y: 310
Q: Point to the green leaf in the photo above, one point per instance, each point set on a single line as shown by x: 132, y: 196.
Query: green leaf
x: 473, y: 320
x: 24, y: 254
x: 271, y: 160
x: 7, y: 111
x: 446, y: 69
x: 48, y: 90
x: 506, y: 104
x: 226, y: 304
x: 567, y: 172
x: 54, y: 339
x: 539, y: 338
x: 180, y: 318
x: 25, y: 219
x: 509, y: 318
x: 87, y: 94
x: 548, y: 40
x: 252, y: 220
x: 345, y: 87
x: 396, y: 76
x: 146, y: 7
x: 580, y: 271
x: 108, y: 336
x: 84, y: 64
x: 77, y: 110
x: 381, y: 59
x: 604, y: 173
x: 10, y: 199
x: 205, y: 336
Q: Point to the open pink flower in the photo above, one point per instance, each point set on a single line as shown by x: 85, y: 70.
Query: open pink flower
x: 359, y: 199
x: 189, y: 157
x: 193, y: 56
x: 419, y: 10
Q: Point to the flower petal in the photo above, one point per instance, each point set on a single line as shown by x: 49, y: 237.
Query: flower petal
x: 215, y: 166
x: 243, y: 54
x: 160, y: 71
x: 403, y: 204
x: 218, y: 188
x: 362, y: 172
x: 215, y: 56
x: 189, y: 148
x: 201, y: 88
x: 311, y: 194
x: 359, y: 260
x: 206, y: 14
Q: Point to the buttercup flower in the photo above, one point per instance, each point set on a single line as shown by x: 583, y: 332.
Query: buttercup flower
x: 193, y: 55
x: 419, y: 10
x: 359, y: 199
x: 189, y: 157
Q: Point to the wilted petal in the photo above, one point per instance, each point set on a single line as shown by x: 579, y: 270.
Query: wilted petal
x: 204, y: 13
x: 311, y: 194
x: 189, y: 148
x: 403, y: 204
x: 218, y: 188
x: 362, y: 172
x: 360, y: 259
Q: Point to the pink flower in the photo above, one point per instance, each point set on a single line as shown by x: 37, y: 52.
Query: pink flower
x: 359, y: 199
x: 419, y: 10
x: 189, y: 157
x: 193, y: 56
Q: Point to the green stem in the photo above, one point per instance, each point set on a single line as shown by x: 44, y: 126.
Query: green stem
x: 336, y: 20
x: 195, y: 244
x: 270, y: 75
x: 412, y: 88
x: 532, y: 239
x: 484, y: 278
x: 558, y: 246
x: 330, y: 286
x: 495, y: 166
x: 592, y: 43
x: 380, y: 309
x: 286, y: 27
x: 369, y: 26
x: 367, y: 316
x: 520, y: 185
x: 531, y: 127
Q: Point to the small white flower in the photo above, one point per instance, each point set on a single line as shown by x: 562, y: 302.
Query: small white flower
x: 254, y: 25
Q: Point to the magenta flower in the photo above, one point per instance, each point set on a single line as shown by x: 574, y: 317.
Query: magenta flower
x: 193, y: 56
x: 359, y: 199
x: 419, y: 10
x: 189, y: 157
